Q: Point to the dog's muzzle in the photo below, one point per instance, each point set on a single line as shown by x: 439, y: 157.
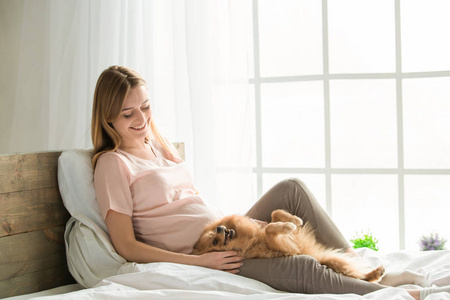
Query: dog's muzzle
x: 229, y: 233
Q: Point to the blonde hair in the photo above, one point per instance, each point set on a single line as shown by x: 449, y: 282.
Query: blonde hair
x: 112, y: 88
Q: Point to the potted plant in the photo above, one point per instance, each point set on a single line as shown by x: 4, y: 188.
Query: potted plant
x: 365, y: 240
x: 432, y: 241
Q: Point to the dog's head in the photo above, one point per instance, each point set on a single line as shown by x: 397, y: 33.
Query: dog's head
x: 230, y: 233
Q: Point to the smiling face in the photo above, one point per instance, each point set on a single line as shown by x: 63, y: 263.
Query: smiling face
x: 133, y: 122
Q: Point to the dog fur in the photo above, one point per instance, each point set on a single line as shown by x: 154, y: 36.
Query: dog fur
x: 284, y: 236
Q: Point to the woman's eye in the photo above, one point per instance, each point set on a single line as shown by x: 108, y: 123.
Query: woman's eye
x: 147, y: 107
x: 127, y: 116
x: 215, y: 242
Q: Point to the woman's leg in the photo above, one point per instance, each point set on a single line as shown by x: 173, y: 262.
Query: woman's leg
x: 303, y: 274
x: 293, y: 196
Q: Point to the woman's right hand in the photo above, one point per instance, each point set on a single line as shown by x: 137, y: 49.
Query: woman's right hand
x: 228, y: 261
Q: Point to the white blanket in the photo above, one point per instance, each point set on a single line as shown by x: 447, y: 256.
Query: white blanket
x: 90, y: 251
x: 174, y: 281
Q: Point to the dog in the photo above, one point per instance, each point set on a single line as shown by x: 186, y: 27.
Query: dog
x: 286, y: 235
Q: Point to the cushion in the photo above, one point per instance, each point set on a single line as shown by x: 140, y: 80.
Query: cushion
x: 91, y: 257
x: 76, y: 185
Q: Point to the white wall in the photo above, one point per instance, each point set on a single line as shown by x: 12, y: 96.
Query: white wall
x: 11, y: 14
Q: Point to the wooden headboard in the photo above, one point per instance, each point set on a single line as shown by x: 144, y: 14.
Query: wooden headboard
x: 33, y: 219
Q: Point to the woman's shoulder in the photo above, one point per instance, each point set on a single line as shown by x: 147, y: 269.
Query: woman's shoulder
x: 127, y: 162
x: 110, y: 160
x: 109, y: 156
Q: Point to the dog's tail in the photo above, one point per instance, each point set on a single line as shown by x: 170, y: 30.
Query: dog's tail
x: 350, y: 266
x: 334, y: 258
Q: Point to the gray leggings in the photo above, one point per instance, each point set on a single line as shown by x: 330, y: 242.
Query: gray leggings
x: 301, y: 273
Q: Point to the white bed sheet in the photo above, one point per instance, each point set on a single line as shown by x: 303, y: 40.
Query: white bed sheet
x: 175, y: 281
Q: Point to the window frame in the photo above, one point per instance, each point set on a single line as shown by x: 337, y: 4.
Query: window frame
x: 400, y: 171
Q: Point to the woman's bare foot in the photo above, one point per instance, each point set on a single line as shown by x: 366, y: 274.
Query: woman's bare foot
x: 402, y: 277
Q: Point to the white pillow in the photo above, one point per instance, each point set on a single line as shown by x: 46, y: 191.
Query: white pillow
x: 76, y: 184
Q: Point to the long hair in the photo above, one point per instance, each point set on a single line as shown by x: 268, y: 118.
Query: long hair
x: 112, y: 88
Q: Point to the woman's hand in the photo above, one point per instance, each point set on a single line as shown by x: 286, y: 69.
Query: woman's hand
x: 227, y: 261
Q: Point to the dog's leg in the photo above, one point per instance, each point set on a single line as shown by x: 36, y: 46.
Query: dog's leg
x: 280, y: 228
x: 278, y: 238
x: 280, y: 215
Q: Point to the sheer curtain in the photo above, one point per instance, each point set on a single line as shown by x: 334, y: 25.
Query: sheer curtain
x: 193, y: 55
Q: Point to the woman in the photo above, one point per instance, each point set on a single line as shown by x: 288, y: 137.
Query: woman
x: 154, y: 213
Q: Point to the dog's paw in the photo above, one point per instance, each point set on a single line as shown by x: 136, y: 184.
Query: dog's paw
x: 286, y: 227
x: 297, y: 221
x: 280, y: 228
x: 280, y: 215
x: 289, y: 227
x: 375, y: 275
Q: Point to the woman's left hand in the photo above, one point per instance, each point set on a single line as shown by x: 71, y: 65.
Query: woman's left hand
x: 228, y: 261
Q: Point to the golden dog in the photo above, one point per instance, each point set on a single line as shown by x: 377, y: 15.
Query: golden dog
x: 284, y: 236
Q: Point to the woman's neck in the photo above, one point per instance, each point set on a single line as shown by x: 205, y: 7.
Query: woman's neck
x: 133, y: 146
x: 140, y: 150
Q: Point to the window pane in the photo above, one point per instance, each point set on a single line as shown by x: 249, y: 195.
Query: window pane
x: 363, y: 124
x: 292, y: 124
x: 290, y: 37
x: 425, y: 42
x: 314, y: 182
x: 361, y: 36
x: 426, y: 115
x: 363, y: 203
x: 426, y: 207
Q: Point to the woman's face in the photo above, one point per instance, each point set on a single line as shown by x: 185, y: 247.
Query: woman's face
x: 134, y: 119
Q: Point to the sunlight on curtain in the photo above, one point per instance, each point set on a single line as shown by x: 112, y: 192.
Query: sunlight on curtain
x: 64, y: 47
x: 193, y: 55
x: 217, y: 33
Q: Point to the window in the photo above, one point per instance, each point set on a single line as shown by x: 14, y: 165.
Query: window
x: 353, y: 97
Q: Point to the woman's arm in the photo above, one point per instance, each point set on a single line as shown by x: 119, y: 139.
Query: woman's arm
x: 120, y: 229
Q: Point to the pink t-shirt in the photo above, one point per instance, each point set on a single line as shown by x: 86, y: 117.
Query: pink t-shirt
x: 157, y: 194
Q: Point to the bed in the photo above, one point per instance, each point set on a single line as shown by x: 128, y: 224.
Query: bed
x: 54, y: 245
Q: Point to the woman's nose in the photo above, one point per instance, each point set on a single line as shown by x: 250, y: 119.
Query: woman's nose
x: 141, y: 117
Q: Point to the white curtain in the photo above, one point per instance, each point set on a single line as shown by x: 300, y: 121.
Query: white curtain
x: 193, y: 55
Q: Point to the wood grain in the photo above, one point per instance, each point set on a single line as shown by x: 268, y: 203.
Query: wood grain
x: 22, y: 172
x: 31, y: 210
x: 35, y: 282
x: 33, y: 261
x: 32, y: 222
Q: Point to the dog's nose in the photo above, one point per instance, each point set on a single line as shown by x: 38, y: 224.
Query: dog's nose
x: 220, y: 229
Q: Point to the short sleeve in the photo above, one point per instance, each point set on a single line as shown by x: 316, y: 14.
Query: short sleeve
x: 112, y: 185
